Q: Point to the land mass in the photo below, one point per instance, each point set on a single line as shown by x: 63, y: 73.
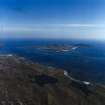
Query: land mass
x: 62, y: 47
x: 25, y: 83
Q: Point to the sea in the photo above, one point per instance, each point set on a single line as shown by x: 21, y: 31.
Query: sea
x: 87, y: 64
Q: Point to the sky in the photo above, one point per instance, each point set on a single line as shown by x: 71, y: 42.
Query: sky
x: 77, y: 19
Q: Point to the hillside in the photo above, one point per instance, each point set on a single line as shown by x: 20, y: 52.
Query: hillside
x: 26, y: 83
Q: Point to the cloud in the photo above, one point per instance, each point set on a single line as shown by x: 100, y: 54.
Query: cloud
x: 76, y: 31
x: 48, y: 27
x: 84, y: 25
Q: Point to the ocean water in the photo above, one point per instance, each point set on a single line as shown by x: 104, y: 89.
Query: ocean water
x: 83, y: 63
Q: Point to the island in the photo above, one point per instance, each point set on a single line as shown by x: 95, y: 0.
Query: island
x: 23, y: 82
x: 61, y: 47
